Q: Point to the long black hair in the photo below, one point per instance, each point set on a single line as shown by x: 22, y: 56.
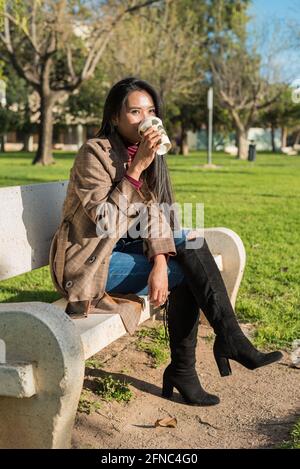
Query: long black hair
x: 157, y: 174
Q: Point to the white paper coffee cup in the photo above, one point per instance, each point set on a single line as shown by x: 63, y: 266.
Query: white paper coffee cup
x: 156, y: 123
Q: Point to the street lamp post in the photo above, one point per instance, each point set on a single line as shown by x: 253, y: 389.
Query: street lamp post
x: 210, y: 99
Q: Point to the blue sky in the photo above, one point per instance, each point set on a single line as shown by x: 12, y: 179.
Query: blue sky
x: 283, y: 9
x: 284, y: 12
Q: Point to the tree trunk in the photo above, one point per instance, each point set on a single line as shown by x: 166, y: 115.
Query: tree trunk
x: 297, y: 139
x: 44, y: 152
x: 243, y: 144
x: 184, y: 147
x: 79, y: 134
x: 2, y: 143
x: 284, y: 132
x: 273, y: 138
x: 27, y: 142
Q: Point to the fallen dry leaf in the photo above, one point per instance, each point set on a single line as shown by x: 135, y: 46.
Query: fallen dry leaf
x: 166, y: 422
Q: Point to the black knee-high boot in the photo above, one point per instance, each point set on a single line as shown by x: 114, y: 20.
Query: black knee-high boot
x: 207, y: 285
x: 183, y: 320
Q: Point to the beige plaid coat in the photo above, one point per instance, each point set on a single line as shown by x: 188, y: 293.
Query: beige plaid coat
x: 79, y: 255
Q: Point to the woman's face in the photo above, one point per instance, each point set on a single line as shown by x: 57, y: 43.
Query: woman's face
x: 137, y: 107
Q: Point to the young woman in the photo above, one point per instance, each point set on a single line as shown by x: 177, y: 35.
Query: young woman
x: 102, y: 273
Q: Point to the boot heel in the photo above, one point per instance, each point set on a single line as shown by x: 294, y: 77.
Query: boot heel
x: 223, y: 365
x: 167, y: 390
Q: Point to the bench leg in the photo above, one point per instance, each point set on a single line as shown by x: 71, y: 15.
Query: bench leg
x: 40, y: 334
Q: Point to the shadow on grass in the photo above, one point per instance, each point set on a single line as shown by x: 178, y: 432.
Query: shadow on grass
x: 7, y: 182
x: 272, y: 165
x: 143, y: 386
x: 277, y: 430
x: 206, y: 190
x: 46, y: 296
x: 22, y: 155
x: 137, y: 383
x: 225, y: 170
x: 277, y: 196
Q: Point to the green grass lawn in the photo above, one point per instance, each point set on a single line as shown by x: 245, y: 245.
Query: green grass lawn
x: 260, y: 201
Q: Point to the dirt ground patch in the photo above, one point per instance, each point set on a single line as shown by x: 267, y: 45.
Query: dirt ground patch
x: 257, y: 408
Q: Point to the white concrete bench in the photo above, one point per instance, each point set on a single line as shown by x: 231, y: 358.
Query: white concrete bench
x: 42, y: 351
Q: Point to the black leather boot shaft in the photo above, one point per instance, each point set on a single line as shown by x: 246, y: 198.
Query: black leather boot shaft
x: 183, y: 321
x: 207, y: 285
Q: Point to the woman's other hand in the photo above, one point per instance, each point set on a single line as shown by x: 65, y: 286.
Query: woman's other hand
x: 158, y: 282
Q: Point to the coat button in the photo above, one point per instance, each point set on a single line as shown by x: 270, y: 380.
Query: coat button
x: 69, y: 284
x: 92, y: 259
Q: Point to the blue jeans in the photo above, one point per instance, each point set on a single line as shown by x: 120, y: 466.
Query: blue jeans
x: 129, y: 268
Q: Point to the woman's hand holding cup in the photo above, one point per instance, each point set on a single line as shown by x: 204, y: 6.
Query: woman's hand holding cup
x: 148, y: 147
x: 154, y: 141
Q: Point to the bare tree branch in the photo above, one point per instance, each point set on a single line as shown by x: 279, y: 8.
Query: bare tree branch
x: 11, y: 19
x: 70, y: 62
x: 141, y: 5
